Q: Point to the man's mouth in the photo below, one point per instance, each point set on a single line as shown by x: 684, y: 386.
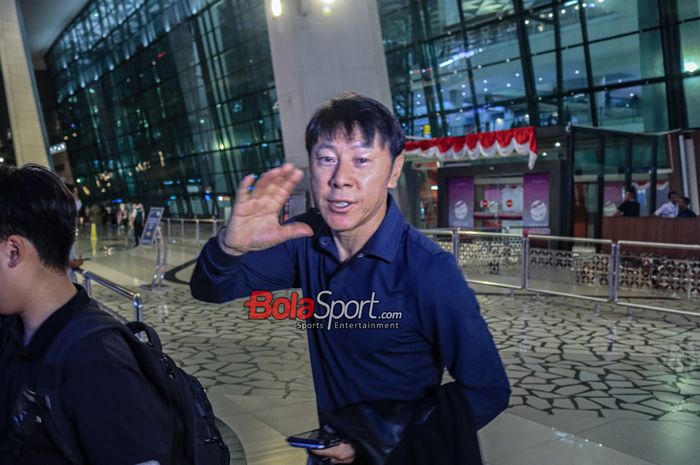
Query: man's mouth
x: 339, y: 205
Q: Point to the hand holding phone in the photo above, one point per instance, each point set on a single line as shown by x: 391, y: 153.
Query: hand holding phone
x: 314, y: 439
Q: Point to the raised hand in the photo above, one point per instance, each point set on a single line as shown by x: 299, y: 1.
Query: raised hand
x: 255, y: 224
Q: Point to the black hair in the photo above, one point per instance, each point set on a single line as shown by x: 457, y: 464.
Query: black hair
x: 37, y: 205
x: 686, y: 200
x: 632, y: 190
x: 350, y: 112
x: 671, y: 194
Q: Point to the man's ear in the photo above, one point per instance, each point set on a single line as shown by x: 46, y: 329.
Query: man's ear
x: 396, y: 170
x: 13, y: 250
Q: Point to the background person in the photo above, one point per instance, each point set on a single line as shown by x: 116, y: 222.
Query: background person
x: 670, y: 208
x: 684, y: 210
x: 137, y: 220
x: 630, y: 207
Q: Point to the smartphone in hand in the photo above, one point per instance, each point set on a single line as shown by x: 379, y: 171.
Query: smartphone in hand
x: 314, y: 439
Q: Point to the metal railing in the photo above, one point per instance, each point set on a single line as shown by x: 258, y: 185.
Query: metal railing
x: 187, y: 227
x: 134, y: 297
x: 592, y: 269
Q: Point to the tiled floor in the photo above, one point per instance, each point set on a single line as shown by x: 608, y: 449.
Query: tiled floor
x: 589, y: 387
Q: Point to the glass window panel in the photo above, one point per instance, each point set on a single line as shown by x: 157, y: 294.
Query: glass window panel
x: 634, y: 109
x: 577, y: 109
x: 627, y: 58
x: 692, y: 100
x: 689, y: 9
x: 690, y: 43
x: 494, y: 43
x: 541, y: 32
x: 503, y: 82
x: 440, y: 16
x: 614, y: 17
x: 397, y: 28
x: 574, y: 68
x: 545, y: 67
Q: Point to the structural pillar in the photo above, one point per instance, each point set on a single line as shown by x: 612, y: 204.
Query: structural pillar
x: 320, y: 49
x: 26, y: 119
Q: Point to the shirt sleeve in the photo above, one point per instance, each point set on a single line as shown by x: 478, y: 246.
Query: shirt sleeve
x: 219, y: 277
x: 451, y: 320
x: 119, y: 416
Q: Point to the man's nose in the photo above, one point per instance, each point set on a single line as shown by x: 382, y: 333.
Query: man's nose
x: 342, y: 176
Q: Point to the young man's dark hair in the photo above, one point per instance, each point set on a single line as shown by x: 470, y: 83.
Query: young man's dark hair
x: 350, y: 112
x: 632, y: 190
x: 671, y: 194
x: 36, y: 204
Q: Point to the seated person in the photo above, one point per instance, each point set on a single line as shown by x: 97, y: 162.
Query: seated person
x: 684, y: 210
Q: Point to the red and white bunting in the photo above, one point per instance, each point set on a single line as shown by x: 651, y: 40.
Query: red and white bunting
x: 519, y: 141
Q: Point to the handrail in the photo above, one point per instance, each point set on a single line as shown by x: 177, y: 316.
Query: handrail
x: 570, y: 239
x: 661, y: 245
x: 613, y: 266
x: 135, y: 297
x: 197, y: 222
x: 490, y: 234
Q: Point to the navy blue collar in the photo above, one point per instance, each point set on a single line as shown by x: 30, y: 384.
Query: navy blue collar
x: 382, y: 244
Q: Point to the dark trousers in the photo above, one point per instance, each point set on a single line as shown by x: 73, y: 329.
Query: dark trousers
x: 138, y: 230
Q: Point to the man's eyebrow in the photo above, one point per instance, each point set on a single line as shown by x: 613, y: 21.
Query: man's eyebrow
x: 324, y: 145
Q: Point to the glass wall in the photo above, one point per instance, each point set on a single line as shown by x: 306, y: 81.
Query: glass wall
x: 462, y: 66
x: 170, y: 102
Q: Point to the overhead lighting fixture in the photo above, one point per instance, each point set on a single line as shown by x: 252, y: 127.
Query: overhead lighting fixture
x: 276, y: 8
x: 690, y: 66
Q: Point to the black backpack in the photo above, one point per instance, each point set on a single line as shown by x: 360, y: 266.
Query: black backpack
x: 197, y: 440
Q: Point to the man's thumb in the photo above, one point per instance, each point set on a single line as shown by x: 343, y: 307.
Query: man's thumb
x: 297, y: 230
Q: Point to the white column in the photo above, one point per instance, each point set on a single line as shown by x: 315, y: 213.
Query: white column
x: 318, y: 54
x: 26, y: 119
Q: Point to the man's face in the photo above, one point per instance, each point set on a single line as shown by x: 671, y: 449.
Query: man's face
x: 350, y: 179
x: 674, y: 198
x: 681, y: 203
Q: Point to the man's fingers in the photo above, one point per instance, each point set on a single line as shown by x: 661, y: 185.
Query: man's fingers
x: 342, y: 453
x: 243, y: 192
x: 271, y: 181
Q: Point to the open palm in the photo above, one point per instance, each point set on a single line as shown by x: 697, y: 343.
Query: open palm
x: 255, y: 224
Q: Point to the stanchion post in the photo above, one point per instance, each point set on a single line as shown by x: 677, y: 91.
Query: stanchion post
x: 455, y: 243
x: 182, y: 230
x: 137, y: 303
x: 196, y: 231
x: 614, y: 273
x: 169, y: 235
x: 526, y: 262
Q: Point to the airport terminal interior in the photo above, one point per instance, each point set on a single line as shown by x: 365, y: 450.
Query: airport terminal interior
x: 527, y: 123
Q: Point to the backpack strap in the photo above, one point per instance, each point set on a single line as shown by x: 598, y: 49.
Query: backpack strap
x: 49, y: 377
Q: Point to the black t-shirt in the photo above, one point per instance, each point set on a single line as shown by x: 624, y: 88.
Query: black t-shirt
x: 687, y: 213
x: 119, y: 417
x: 629, y: 208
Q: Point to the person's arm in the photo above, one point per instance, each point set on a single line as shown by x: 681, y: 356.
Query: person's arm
x: 661, y: 211
x: 119, y: 416
x: 252, y: 253
x: 451, y: 320
x: 220, y: 277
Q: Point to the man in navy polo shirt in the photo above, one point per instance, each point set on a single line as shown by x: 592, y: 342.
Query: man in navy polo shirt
x: 391, y: 309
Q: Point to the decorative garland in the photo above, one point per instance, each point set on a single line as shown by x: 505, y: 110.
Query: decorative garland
x: 519, y: 141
